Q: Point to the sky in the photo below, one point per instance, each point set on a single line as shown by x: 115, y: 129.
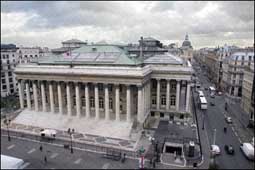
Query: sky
x: 48, y: 23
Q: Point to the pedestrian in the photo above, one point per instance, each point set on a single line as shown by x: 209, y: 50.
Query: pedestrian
x: 154, y: 163
x: 41, y: 148
x: 45, y: 159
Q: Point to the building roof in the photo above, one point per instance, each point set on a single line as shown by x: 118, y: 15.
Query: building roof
x: 166, y: 58
x: 238, y: 56
x: 149, y: 39
x: 93, y: 54
x: 74, y: 41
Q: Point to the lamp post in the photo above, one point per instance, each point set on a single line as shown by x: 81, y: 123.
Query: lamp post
x: 7, y: 122
x: 203, y: 120
x: 71, y: 132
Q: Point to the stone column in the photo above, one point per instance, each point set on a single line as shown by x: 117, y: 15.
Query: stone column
x: 128, y: 104
x: 117, y: 102
x: 167, y: 94
x: 21, y: 94
x: 158, y: 94
x: 139, y: 105
x: 43, y: 97
x: 68, y: 97
x: 35, y: 96
x: 106, y: 102
x: 177, y: 95
x: 52, y: 105
x: 96, y: 102
x: 78, y: 99
x: 28, y: 95
x: 60, y: 100
x: 188, y: 97
x: 87, y: 100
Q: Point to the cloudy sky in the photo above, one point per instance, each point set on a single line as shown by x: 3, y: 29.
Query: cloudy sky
x: 49, y: 23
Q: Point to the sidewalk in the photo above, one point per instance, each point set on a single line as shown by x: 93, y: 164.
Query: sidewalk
x: 240, y: 121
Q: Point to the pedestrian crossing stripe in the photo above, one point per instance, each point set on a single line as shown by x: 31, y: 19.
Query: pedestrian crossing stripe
x: 54, y: 155
x: 10, y: 147
x: 31, y: 151
x: 24, y: 165
x: 78, y: 161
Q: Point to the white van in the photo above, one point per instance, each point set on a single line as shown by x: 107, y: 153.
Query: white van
x: 248, y: 150
x: 50, y: 133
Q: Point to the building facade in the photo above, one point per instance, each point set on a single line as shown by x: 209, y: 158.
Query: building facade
x: 247, y: 102
x: 8, y: 63
x: 104, y: 82
x: 233, y: 72
x: 11, y: 56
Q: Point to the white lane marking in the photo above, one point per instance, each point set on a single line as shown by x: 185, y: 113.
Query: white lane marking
x: 78, y: 161
x: 31, y: 151
x: 54, y: 155
x: 24, y: 165
x: 10, y: 147
x: 106, y: 166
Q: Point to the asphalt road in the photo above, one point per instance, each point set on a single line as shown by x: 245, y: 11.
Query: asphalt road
x: 60, y: 158
x: 214, y: 119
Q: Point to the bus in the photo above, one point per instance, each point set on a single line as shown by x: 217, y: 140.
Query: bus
x: 202, y: 103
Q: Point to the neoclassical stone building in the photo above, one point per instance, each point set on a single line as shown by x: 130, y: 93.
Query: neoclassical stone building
x: 104, y: 82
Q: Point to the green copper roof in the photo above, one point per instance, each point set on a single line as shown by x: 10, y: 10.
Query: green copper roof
x: 92, y: 54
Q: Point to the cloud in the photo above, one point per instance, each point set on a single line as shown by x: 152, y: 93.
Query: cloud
x: 56, y: 21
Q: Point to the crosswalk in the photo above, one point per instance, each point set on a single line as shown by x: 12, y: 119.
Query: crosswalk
x: 31, y: 151
x: 54, y: 155
x: 78, y: 161
x: 106, y: 166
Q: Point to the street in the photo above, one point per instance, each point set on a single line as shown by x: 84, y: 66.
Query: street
x: 215, y: 119
x: 60, y: 158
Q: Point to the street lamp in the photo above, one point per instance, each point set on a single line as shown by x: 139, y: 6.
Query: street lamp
x: 7, y: 122
x: 71, y: 132
x: 203, y: 120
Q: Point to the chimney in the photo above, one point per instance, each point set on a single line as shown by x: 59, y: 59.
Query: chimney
x: 141, y: 48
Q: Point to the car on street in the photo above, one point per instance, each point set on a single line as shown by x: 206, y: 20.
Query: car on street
x: 48, y: 133
x: 228, y: 120
x: 212, y: 96
x: 212, y: 104
x: 229, y: 149
x: 219, y: 93
x: 215, y: 150
x: 206, y: 88
x: 248, y: 150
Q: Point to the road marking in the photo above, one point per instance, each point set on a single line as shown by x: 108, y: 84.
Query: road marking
x: 106, y: 166
x: 78, y: 161
x: 54, y: 155
x: 24, y: 165
x: 10, y: 147
x: 31, y: 151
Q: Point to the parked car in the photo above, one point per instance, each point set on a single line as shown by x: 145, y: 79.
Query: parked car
x: 248, y: 150
x: 228, y: 120
x: 215, y: 150
x: 229, y: 149
x: 212, y: 104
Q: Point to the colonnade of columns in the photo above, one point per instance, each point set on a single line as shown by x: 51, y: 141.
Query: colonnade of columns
x: 69, y: 101
x: 177, y: 100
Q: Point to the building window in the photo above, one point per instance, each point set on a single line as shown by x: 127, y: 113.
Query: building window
x: 233, y: 82
x: 7, y: 56
x: 110, y: 103
x: 163, y: 85
x: 182, y: 116
x: 25, y: 56
x: 154, y: 84
x: 110, y: 88
x: 100, y: 87
x: 172, y: 100
x: 121, y: 107
x: 92, y: 102
x: 9, y: 67
x: 35, y: 55
x: 163, y: 99
x: 101, y: 103
x: 83, y: 101
x: 173, y: 86
x: 120, y: 88
x: 3, y: 81
x: 161, y: 114
x: 11, y: 85
x: 152, y: 114
x: 154, y: 101
x: 10, y: 80
x: 4, y: 87
x: 9, y: 73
